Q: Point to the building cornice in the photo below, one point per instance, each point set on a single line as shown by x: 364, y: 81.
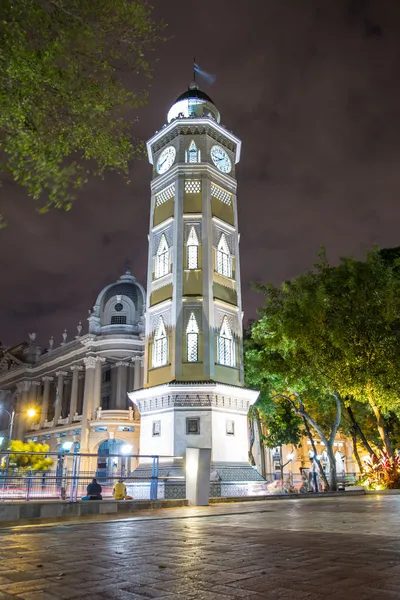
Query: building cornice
x: 193, y: 126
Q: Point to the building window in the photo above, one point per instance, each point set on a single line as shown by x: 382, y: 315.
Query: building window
x: 224, y: 261
x: 192, y: 250
x: 160, y: 345
x: 192, y: 337
x: 230, y: 427
x: 193, y: 426
x: 156, y: 428
x: 226, y: 352
x: 162, y: 258
x: 193, y: 155
x: 118, y: 307
x: 192, y: 186
x: 221, y: 194
x: 105, y: 403
x: 118, y: 320
x: 165, y: 195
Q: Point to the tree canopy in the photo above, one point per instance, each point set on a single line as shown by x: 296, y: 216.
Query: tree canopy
x: 333, y: 332
x: 63, y: 96
x: 28, y: 461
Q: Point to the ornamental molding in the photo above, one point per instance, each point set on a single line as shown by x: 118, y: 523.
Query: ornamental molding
x: 61, y: 373
x: 36, y: 383
x: 182, y: 401
x: 122, y: 363
x: 75, y: 368
x: 90, y: 362
x: 47, y: 378
x: 23, y: 386
x: 100, y: 359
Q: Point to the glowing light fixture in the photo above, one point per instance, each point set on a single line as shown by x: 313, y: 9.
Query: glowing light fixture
x: 31, y: 412
x: 126, y: 449
x: 67, y: 446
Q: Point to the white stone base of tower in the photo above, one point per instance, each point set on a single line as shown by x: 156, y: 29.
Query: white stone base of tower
x: 177, y: 416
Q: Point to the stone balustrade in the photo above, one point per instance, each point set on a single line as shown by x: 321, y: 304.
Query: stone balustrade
x: 115, y: 415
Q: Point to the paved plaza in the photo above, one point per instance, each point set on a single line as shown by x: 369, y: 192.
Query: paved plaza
x: 292, y: 549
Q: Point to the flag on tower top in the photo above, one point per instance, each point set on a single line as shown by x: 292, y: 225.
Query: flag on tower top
x: 208, y: 77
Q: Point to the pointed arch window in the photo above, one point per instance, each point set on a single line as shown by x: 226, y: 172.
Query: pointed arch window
x: 224, y: 261
x: 192, y: 249
x: 226, y: 349
x: 162, y: 258
x: 160, y: 345
x: 192, y: 338
x: 192, y: 155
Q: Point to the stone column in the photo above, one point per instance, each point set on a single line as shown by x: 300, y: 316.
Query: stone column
x: 113, y: 399
x: 59, y: 396
x: 90, y: 365
x: 131, y: 377
x: 34, y: 393
x: 121, y: 385
x: 97, y: 385
x: 74, y: 391
x: 45, y: 399
x: 22, y: 405
x: 136, y: 380
x: 141, y: 372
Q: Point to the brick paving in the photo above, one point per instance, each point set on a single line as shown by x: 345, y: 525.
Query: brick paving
x: 296, y: 549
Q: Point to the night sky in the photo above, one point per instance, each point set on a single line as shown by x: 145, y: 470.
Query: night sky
x: 312, y: 89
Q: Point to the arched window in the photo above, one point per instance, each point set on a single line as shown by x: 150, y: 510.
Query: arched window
x: 192, y: 250
x: 226, y: 349
x: 192, y: 338
x: 224, y: 262
x: 160, y: 345
x: 162, y: 259
x: 192, y: 155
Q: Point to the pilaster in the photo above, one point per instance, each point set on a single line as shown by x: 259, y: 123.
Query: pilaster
x: 76, y: 369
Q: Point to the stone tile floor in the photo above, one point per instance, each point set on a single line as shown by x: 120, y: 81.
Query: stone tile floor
x: 344, y: 548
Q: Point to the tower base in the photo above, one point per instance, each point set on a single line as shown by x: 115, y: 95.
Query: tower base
x: 177, y: 416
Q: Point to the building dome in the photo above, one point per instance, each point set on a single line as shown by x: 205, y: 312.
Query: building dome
x: 119, y: 307
x: 193, y: 103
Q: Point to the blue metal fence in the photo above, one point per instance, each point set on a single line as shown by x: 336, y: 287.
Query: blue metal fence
x: 66, y: 479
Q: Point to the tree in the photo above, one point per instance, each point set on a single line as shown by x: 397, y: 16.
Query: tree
x: 282, y: 426
x: 62, y: 93
x: 28, y: 461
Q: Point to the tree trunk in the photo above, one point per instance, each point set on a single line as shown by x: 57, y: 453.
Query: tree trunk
x: 381, y: 427
x: 333, y: 480
x: 355, y: 451
x: 281, y: 465
x: 262, y: 447
x: 320, y: 467
x: 360, y: 433
x: 251, y: 455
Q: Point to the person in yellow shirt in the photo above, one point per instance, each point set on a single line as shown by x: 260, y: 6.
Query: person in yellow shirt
x: 119, y: 490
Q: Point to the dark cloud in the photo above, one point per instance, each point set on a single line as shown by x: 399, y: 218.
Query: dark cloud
x: 311, y: 88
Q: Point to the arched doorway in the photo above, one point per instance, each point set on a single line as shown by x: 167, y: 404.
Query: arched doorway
x: 112, y: 460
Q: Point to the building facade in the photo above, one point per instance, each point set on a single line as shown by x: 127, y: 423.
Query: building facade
x: 79, y: 388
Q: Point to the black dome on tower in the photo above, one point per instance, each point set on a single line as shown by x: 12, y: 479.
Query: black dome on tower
x: 194, y: 93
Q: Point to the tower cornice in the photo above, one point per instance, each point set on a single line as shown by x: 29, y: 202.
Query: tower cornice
x: 193, y: 170
x: 192, y: 126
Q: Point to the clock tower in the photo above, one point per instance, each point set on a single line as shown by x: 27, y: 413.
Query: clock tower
x: 193, y: 394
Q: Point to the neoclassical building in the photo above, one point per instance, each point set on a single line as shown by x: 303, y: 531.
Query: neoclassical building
x: 79, y: 388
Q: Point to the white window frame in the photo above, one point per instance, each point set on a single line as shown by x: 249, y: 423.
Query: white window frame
x: 192, y: 339
x: 160, y: 345
x: 223, y: 258
x: 226, y: 346
x: 162, y: 262
x: 192, y: 155
x: 192, y: 250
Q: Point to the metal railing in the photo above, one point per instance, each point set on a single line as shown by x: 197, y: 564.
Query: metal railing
x: 68, y: 478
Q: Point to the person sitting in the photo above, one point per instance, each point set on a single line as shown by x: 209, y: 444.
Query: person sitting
x: 94, y: 490
x: 119, y: 490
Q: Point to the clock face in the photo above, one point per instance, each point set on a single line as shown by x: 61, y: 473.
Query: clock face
x: 166, y: 159
x: 221, y: 159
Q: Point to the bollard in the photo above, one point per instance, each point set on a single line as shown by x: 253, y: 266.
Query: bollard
x: 198, y: 467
